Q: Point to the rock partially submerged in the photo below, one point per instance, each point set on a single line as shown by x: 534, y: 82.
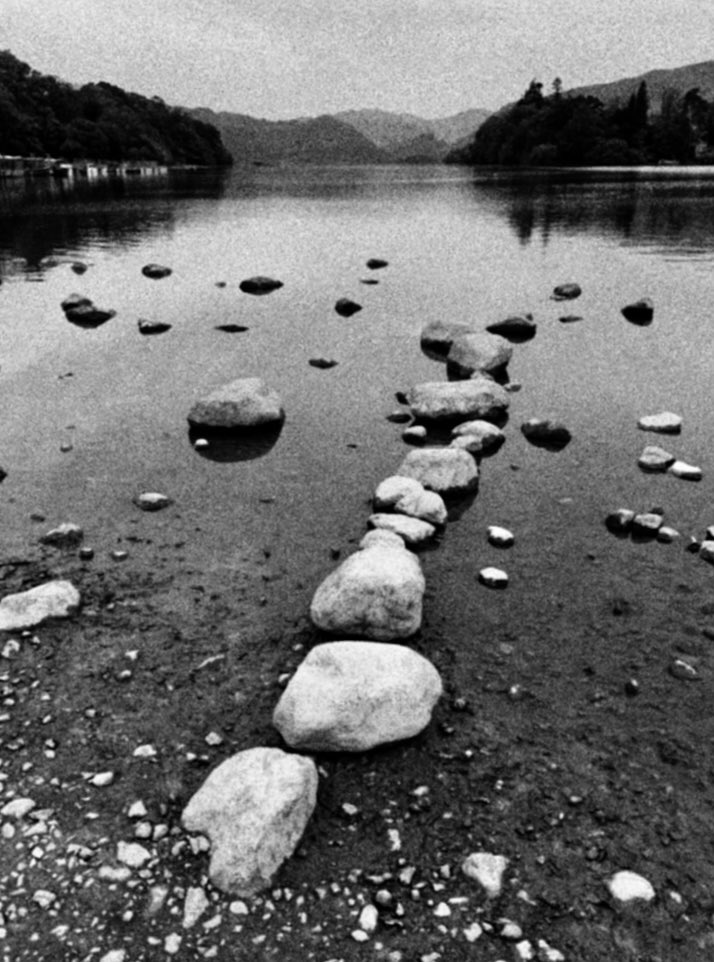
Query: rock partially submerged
x: 655, y: 459
x: 640, y: 312
x: 376, y: 263
x: 478, y: 437
x: 448, y: 471
x: 664, y: 423
x: 152, y: 327
x: 413, y: 531
x: 83, y: 312
x: 493, y: 578
x: 259, y: 285
x: 354, y: 695
x: 54, y: 599
x: 479, y: 353
x: 376, y: 593
x: 517, y: 327
x: 346, y: 308
x: 155, y: 271
x: 480, y: 397
x: 409, y: 497
x: 65, y: 535
x: 152, y: 501
x: 254, y: 808
x: 322, y: 362
x: 566, y: 292
x: 243, y: 404
x: 437, y: 337
x: 687, y: 472
x: 546, y: 433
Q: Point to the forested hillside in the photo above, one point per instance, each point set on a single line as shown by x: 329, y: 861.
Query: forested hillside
x: 573, y: 130
x: 42, y: 116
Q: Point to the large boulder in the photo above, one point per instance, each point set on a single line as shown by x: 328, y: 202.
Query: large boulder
x: 375, y: 593
x: 245, y: 403
x: 437, y: 337
x: 409, y: 496
x: 478, y: 353
x: 54, y: 599
x: 448, y: 471
x: 479, y: 397
x: 354, y: 695
x: 254, y: 808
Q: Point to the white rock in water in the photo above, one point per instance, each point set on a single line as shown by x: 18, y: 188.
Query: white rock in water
x: 368, y: 918
x: 628, y: 886
x: 478, y: 353
x: 375, y: 593
x: 132, y: 854
x: 152, y: 501
x: 706, y: 551
x: 655, y: 459
x: 355, y: 695
x: 486, y: 869
x: 687, y: 472
x: 493, y: 577
x: 414, y: 531
x: 409, y: 496
x: 254, y: 807
x: 444, y: 470
x: 54, y: 599
x: 479, y: 437
x: 664, y: 423
x: 479, y: 397
x: 501, y: 537
x: 245, y: 403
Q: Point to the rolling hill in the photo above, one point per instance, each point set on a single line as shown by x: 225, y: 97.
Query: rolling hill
x: 681, y: 79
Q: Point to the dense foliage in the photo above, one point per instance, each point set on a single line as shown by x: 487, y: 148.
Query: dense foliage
x: 562, y: 130
x: 42, y: 116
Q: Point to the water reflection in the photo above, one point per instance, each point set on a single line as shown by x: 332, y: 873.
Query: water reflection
x: 233, y: 446
x: 640, y: 206
x: 43, y: 220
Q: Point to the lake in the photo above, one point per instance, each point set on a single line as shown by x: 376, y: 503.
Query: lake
x: 460, y: 248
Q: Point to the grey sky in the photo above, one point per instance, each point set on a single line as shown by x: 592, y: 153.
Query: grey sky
x: 290, y: 58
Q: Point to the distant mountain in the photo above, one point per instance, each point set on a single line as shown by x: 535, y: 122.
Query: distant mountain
x: 681, y: 79
x: 318, y: 140
x: 351, y: 136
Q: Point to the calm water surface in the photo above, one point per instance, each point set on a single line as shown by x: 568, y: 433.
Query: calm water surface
x: 459, y: 249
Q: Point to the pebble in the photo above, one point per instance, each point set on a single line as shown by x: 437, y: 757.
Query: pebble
x: 524, y: 950
x: 132, y: 854
x: 114, y: 955
x: 86, y: 554
x: 501, y: 537
x: 473, y: 932
x: 144, y: 751
x: 44, y: 898
x: 66, y: 535
x: 510, y: 930
x: 415, y: 434
x: 679, y: 668
x: 620, y: 521
x: 368, y: 919
x: 626, y: 886
x: 486, y: 869
x: 442, y: 910
x: 647, y: 523
x: 102, y: 779
x: 17, y: 808
x: 493, y: 577
x: 172, y: 943
x: 654, y: 459
x: 687, y: 472
x: 359, y: 935
x: 152, y: 501
x: 200, y: 443
x: 238, y: 908
x: 664, y: 423
x: 195, y: 904
x: 137, y: 810
x: 667, y: 535
x: 119, y: 554
x: 706, y: 550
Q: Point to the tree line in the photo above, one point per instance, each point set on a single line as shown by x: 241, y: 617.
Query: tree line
x: 577, y: 130
x: 41, y: 116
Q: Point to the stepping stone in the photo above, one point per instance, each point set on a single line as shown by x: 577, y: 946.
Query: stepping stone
x: 493, y: 577
x: 664, y: 423
x: 687, y: 472
x: 655, y: 459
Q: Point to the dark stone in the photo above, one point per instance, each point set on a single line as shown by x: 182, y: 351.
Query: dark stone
x: 369, y: 280
x: 640, y: 312
x: 546, y: 433
x: 346, y: 308
x: 570, y: 318
x: 75, y: 300
x: 78, y: 267
x: 259, y: 285
x: 620, y: 521
x: 374, y: 263
x: 438, y: 336
x: 231, y: 328
x: 86, y: 554
x: 399, y: 417
x: 322, y: 362
x: 566, y: 292
x: 87, y: 315
x: 3, y: 475
x: 515, y: 328
x: 152, y: 327
x: 155, y: 271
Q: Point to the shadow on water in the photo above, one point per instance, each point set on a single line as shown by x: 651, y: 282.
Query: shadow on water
x: 230, y: 445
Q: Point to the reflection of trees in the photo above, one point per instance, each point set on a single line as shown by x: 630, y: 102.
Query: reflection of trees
x: 43, y: 218
x: 636, y: 206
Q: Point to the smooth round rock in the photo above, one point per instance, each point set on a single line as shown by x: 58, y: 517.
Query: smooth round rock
x: 152, y: 327
x: 413, y: 531
x: 647, y: 523
x: 448, y: 471
x: 477, y: 398
x: 152, y: 501
x: 500, y: 537
x: 628, y: 886
x: 155, y: 271
x: 655, y: 460
x: 639, y: 312
x: 259, y: 285
x: 478, y: 437
x: 663, y: 423
x: 415, y: 434
x: 566, y: 292
x: 376, y: 263
x: 355, y: 695
x: 546, y: 433
x: 408, y: 496
x: 346, y: 308
x: 479, y: 353
x: 687, y: 472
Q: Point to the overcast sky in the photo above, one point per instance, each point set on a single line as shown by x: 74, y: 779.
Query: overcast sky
x: 292, y: 58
